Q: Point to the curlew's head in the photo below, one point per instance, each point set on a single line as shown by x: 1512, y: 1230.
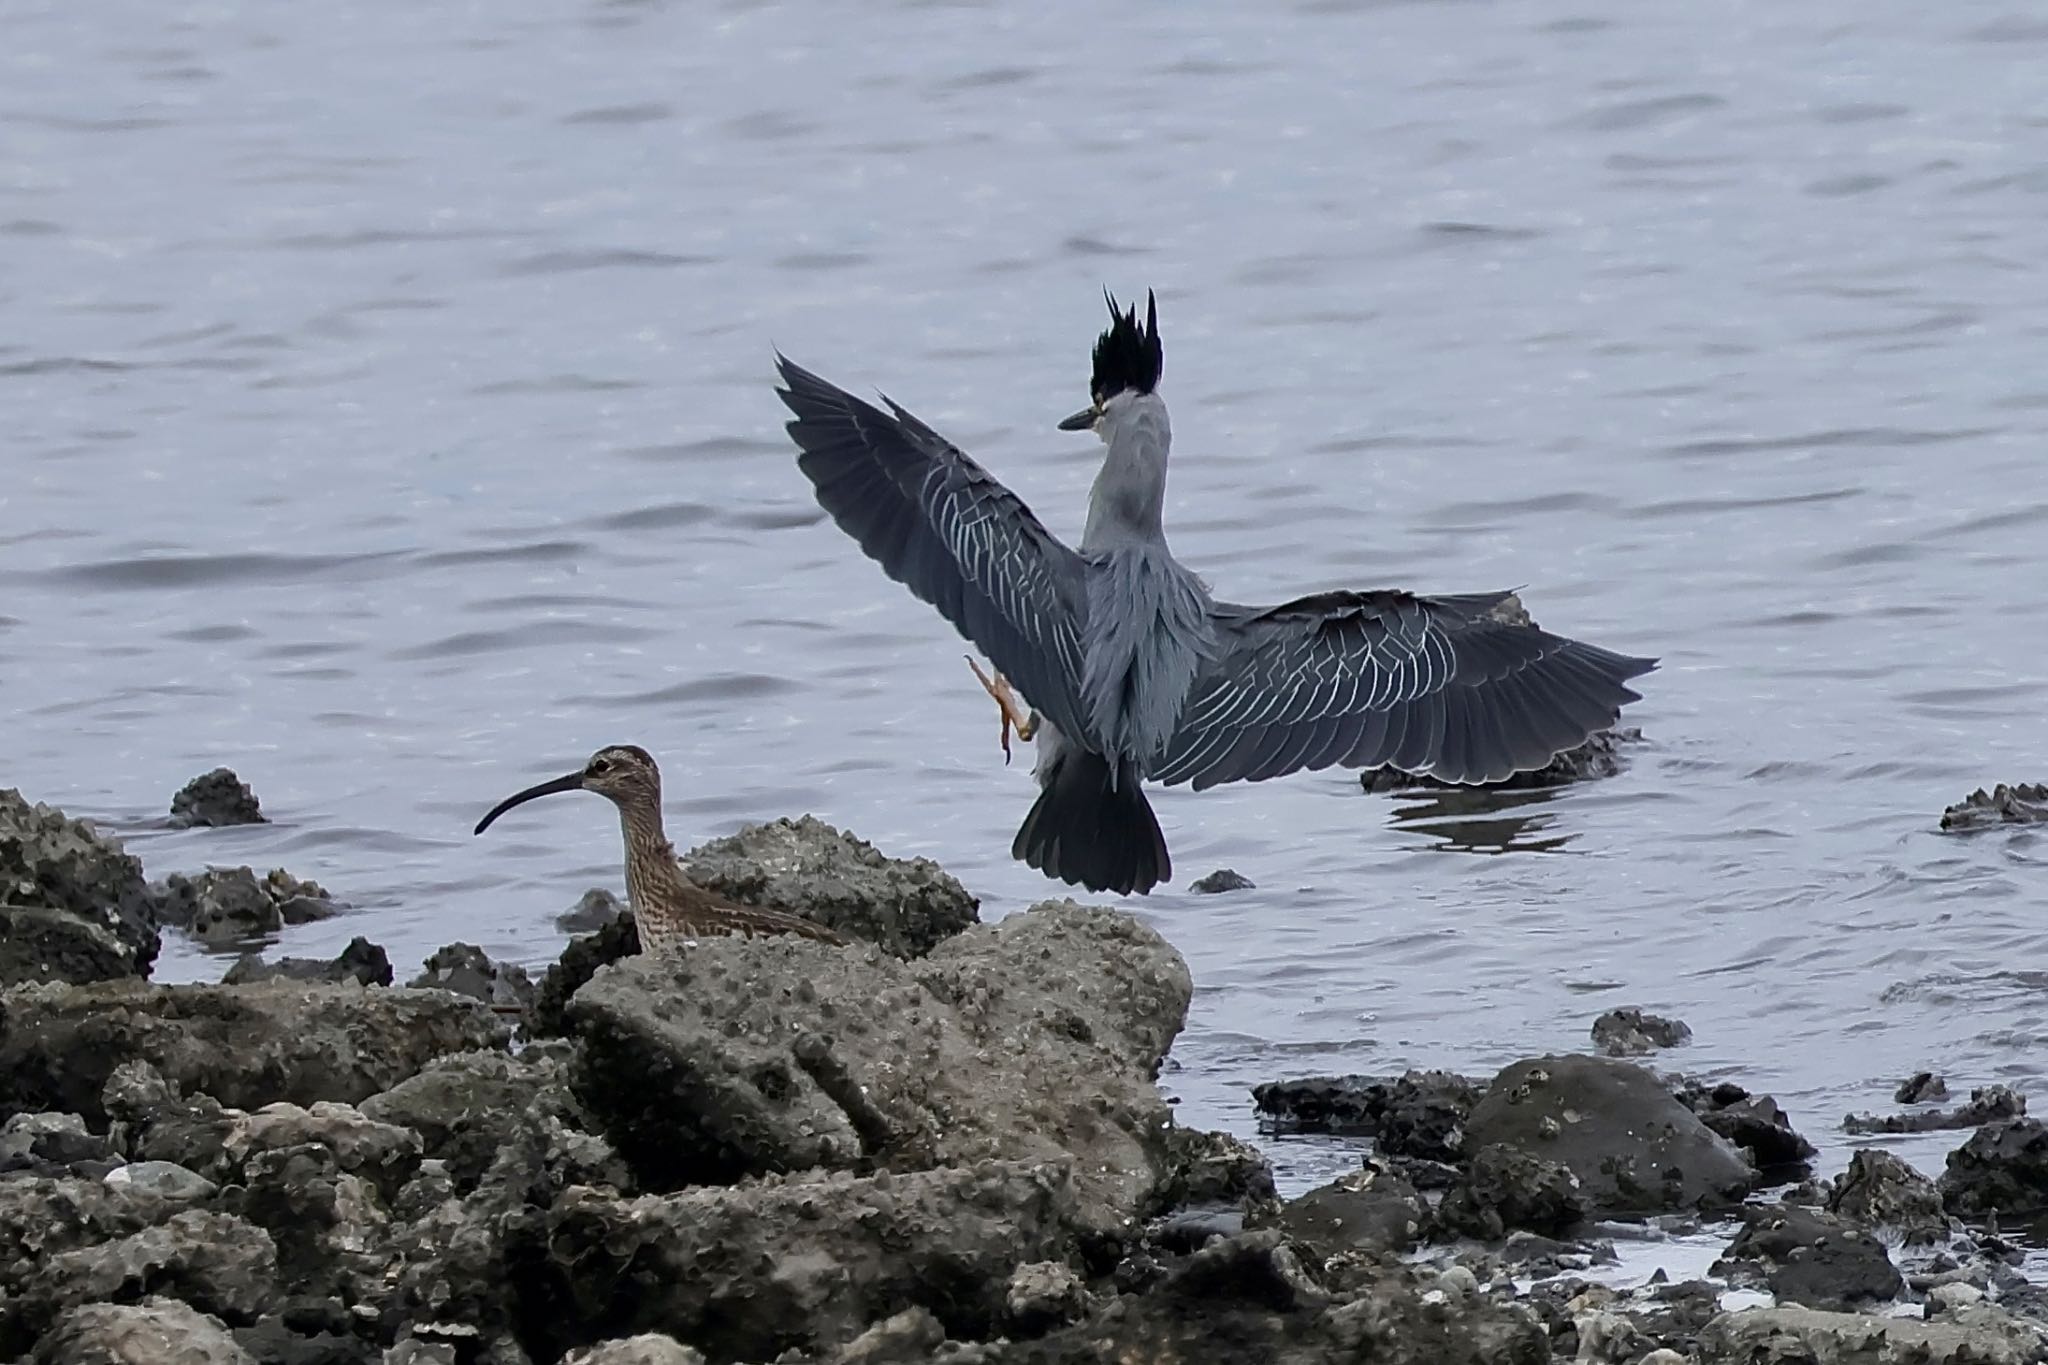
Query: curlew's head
x: 1128, y: 360
x: 625, y: 774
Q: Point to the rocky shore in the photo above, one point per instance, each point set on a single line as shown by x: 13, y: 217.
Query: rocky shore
x: 944, y: 1143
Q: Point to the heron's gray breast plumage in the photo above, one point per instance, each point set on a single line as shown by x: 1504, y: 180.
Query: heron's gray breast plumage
x: 1146, y: 635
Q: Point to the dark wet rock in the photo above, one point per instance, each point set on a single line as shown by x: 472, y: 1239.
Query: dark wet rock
x: 41, y: 944
x: 907, y: 906
x: 1420, y: 1114
x: 1035, y: 1038
x: 468, y: 1108
x: 2002, y: 1169
x: 1628, y: 1032
x: 1195, y: 1226
x: 223, y: 906
x: 156, y: 1331
x: 2024, y: 803
x: 580, y: 960
x: 1368, y: 1210
x: 362, y: 961
x: 1987, y: 1104
x: 1881, y: 1191
x: 1805, y: 1336
x: 1633, y: 1147
x: 246, y: 1046
x: 1221, y: 880
x: 1755, y: 1124
x: 650, y: 1348
x: 216, y: 1263
x: 1922, y: 1087
x: 1254, y: 1298
x: 1809, y: 1258
x: 1506, y: 1188
x: 1214, y: 1169
x: 594, y: 911
x: 216, y: 798
x: 56, y: 1139
x: 713, y: 1265
x: 51, y: 863
x: 466, y: 970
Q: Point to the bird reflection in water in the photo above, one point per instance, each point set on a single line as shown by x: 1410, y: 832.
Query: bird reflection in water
x: 1482, y: 819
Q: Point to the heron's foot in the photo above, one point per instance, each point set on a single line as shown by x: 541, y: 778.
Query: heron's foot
x: 1015, y: 716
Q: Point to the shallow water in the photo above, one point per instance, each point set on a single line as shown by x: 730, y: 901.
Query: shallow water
x: 389, y: 417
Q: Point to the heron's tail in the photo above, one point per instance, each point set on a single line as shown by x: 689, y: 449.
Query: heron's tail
x: 1089, y: 829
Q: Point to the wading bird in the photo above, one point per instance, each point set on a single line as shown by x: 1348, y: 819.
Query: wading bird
x: 668, y: 908
x: 1135, y: 673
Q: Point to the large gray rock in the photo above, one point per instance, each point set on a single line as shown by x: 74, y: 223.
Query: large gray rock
x: 246, y: 1046
x: 468, y: 1108
x: 1813, y: 1337
x: 216, y: 1263
x: 907, y: 906
x: 1032, y: 1039
x: 1632, y: 1146
x: 748, y: 1271
x: 156, y: 1331
x: 52, y: 863
x: 1882, y: 1192
x: 2003, y: 1168
x: 43, y: 1218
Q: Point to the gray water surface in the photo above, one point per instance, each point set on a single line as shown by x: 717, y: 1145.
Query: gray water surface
x: 388, y: 415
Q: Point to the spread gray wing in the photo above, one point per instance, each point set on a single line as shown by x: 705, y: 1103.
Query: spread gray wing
x: 940, y: 525
x: 1360, y: 679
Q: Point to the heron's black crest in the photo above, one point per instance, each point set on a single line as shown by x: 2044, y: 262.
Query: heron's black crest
x: 1127, y: 356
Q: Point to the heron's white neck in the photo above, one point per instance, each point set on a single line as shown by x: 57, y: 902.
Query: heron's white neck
x: 1126, y: 504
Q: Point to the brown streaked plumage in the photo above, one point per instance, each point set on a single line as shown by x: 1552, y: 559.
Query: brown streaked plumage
x: 669, y: 909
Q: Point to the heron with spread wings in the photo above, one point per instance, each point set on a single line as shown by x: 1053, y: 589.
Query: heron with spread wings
x: 1134, y: 673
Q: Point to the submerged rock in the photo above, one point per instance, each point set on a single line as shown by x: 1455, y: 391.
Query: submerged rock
x: 227, y: 905
x: 1632, y: 1146
x: 73, y: 904
x: 1987, y: 1104
x: 216, y: 798
x: 246, y: 1046
x: 2002, y: 1169
x: 362, y: 962
x: 1420, y: 1114
x: 907, y: 906
x: 1035, y: 1038
x: 1628, y: 1032
x: 1809, y: 1258
x: 2024, y: 803
x: 1221, y: 880
x: 1922, y: 1087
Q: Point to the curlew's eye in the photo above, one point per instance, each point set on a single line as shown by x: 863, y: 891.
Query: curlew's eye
x: 599, y: 767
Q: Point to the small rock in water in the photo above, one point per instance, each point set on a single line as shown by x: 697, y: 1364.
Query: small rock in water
x: 598, y: 908
x: 227, y: 905
x: 2024, y: 803
x: 1221, y: 880
x: 216, y: 798
x: 361, y: 961
x: 466, y: 970
x: 2002, y: 1169
x: 1987, y: 1104
x: 1420, y: 1114
x: 1628, y: 1032
x: 1922, y: 1087
x: 75, y: 904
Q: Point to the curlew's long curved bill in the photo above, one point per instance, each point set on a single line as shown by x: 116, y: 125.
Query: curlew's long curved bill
x: 569, y: 782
